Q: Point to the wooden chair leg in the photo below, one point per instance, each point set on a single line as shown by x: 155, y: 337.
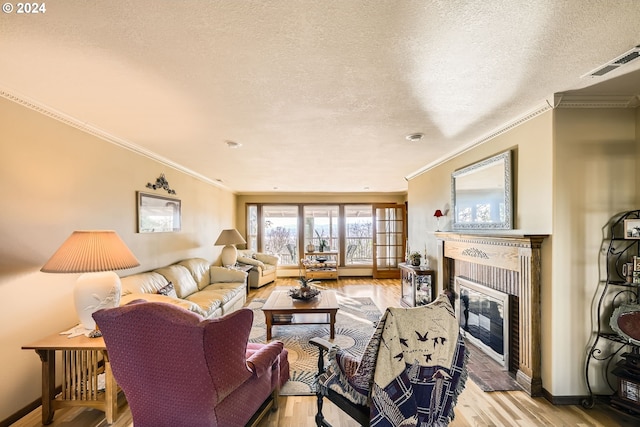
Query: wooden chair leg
x: 275, y: 396
x: 320, y: 421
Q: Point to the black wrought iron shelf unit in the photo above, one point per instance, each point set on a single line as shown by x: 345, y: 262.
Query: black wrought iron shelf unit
x: 616, y: 287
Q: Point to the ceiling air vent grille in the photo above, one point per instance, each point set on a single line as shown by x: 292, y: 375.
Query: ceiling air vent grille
x: 616, y: 63
x: 627, y: 58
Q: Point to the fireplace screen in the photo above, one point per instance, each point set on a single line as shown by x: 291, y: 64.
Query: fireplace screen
x: 483, y: 314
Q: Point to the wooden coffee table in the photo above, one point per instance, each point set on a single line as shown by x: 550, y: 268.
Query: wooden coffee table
x: 281, y: 309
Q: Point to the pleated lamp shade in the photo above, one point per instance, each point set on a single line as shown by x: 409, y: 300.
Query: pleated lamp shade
x: 230, y: 237
x: 97, y: 254
x: 90, y: 251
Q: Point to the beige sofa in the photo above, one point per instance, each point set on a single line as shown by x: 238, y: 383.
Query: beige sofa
x: 265, y: 267
x: 196, y: 285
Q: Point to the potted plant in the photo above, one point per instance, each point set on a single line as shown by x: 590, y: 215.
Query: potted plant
x: 323, y: 243
x: 414, y: 258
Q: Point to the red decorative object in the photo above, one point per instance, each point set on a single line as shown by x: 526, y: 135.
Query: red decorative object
x: 438, y: 213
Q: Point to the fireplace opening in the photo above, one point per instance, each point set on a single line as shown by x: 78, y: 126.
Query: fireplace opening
x: 483, y: 315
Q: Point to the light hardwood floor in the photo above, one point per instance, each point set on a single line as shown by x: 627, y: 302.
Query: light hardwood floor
x: 474, y: 408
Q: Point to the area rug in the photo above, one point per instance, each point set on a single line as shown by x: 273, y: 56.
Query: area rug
x: 355, y: 323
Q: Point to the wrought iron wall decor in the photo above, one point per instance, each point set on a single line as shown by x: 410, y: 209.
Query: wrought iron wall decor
x: 161, y: 182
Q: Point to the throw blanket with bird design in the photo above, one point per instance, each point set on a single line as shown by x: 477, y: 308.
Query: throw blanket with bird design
x: 412, y: 371
x: 420, y: 368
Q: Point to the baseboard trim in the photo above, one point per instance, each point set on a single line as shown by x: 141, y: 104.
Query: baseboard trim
x: 17, y: 416
x: 563, y: 400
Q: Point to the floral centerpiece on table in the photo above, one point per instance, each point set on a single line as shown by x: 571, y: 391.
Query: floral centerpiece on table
x: 304, y: 291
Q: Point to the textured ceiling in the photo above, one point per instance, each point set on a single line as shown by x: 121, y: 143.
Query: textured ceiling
x: 320, y: 94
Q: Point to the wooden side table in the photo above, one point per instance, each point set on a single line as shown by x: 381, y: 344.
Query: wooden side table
x: 83, y: 359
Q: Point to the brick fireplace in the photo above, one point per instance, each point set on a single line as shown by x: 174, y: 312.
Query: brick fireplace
x: 509, y: 264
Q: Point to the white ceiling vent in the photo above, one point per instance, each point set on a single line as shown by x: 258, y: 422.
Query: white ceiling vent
x: 616, y: 63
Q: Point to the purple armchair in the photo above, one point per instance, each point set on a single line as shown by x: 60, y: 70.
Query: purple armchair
x: 177, y: 369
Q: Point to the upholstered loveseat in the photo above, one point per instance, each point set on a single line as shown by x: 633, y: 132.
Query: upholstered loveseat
x: 264, y: 268
x: 193, y: 283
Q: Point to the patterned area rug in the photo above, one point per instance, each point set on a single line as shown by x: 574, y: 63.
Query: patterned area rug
x: 355, y: 323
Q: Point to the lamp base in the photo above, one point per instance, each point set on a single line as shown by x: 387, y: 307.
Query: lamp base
x: 95, y: 291
x: 229, y: 256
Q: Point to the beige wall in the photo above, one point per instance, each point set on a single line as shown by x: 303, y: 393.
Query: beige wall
x: 596, y: 177
x: 574, y: 169
x: 57, y: 179
x: 531, y: 144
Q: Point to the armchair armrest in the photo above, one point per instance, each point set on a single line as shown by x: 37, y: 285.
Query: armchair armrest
x: 250, y: 261
x: 221, y: 275
x: 267, y: 259
x: 262, y: 360
x: 323, y: 346
x: 348, y: 362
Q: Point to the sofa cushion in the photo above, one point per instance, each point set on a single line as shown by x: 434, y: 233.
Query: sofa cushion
x: 217, y: 294
x: 224, y: 291
x: 199, y: 268
x: 208, y: 302
x: 223, y: 274
x: 191, y: 306
x: 182, y: 279
x: 247, y: 253
x: 141, y: 283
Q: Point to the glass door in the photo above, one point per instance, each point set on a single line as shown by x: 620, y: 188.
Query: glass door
x: 388, y: 240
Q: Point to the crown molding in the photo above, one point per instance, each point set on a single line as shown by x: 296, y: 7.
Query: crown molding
x: 541, y: 108
x: 99, y: 133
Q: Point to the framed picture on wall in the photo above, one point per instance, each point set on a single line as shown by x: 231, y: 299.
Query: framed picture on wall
x: 158, y: 214
x: 632, y: 228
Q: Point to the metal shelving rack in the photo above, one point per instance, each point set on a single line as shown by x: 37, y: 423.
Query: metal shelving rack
x: 614, y: 290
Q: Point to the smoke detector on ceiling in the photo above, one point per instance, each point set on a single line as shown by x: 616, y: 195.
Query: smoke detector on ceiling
x: 414, y: 137
x: 616, y: 63
x: 233, y: 144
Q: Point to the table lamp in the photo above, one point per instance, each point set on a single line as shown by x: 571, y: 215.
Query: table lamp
x: 96, y: 253
x: 229, y: 238
x: 438, y: 213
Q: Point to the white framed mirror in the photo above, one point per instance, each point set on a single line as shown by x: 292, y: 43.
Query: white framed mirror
x: 481, y: 195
